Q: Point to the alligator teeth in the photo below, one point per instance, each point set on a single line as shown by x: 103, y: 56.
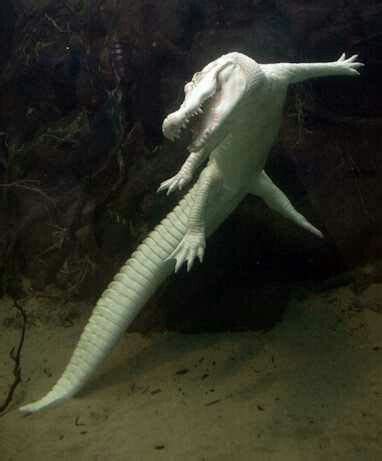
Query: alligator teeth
x: 183, y: 124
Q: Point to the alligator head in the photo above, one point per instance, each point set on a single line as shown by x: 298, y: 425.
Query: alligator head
x: 212, y: 99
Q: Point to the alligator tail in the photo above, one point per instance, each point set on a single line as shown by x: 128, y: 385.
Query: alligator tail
x: 120, y: 303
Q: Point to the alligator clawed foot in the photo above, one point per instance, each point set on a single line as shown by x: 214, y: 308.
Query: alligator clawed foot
x: 349, y: 65
x: 177, y: 182
x: 191, y: 247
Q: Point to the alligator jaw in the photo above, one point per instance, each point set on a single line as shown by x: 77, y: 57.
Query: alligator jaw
x: 193, y: 107
x: 175, y: 123
x: 205, y: 103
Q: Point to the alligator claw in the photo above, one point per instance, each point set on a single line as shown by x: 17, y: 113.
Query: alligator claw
x: 350, y: 65
x: 191, y: 247
x: 177, y: 182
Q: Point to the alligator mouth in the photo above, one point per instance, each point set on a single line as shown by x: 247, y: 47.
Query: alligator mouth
x: 188, y: 120
x: 209, y: 100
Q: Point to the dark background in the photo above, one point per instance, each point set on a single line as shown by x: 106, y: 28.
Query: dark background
x: 80, y: 159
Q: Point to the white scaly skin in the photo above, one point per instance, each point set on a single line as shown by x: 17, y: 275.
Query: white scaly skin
x: 242, y: 104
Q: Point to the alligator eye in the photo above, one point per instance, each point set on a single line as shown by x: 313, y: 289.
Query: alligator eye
x: 196, y: 77
x: 188, y: 86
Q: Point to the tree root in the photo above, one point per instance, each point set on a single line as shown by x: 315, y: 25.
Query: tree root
x: 15, y: 355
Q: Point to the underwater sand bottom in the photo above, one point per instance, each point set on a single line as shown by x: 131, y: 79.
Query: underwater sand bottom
x: 309, y: 389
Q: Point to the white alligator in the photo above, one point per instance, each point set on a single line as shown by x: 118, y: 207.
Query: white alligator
x: 234, y: 107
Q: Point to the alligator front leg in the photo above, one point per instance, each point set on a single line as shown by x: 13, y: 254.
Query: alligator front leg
x: 299, y: 72
x: 193, y: 243
x: 276, y: 199
x: 185, y: 174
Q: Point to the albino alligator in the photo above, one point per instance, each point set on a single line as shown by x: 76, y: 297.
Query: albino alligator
x: 235, y: 105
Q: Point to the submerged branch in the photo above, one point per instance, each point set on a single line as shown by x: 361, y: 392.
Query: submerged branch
x: 16, y: 357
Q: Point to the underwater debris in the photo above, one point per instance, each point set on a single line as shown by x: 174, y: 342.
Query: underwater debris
x: 117, y: 60
x: 15, y: 355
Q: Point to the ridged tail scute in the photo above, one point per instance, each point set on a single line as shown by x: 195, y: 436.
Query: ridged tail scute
x: 118, y: 306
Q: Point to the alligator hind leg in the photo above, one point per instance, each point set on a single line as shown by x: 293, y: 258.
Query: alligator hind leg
x: 276, y: 199
x: 193, y: 243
